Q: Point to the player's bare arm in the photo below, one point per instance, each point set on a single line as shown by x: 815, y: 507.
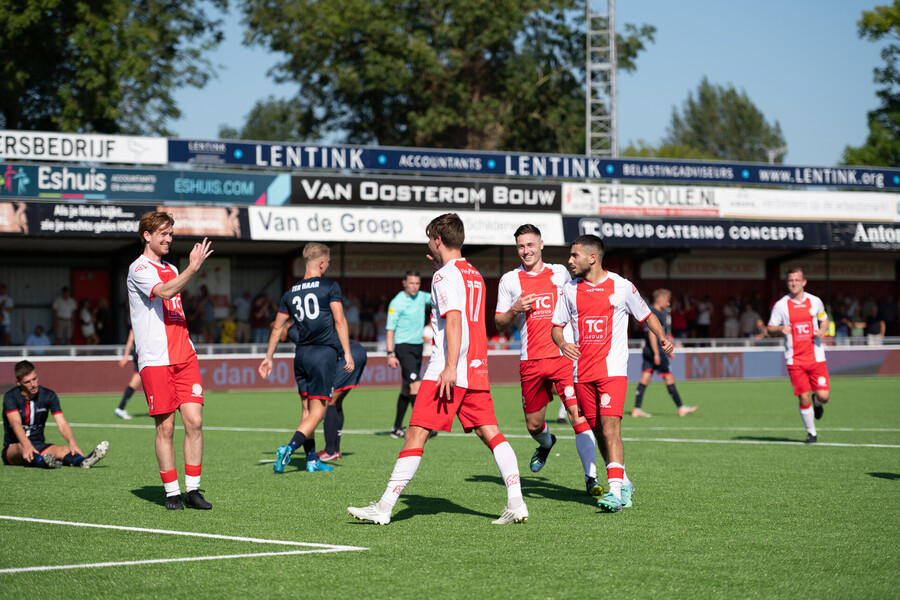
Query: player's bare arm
x: 15, y: 421
x: 66, y: 432
x: 343, y: 332
x: 822, y: 331
x: 392, y: 361
x: 522, y: 304
x: 568, y: 349
x: 265, y: 367
x: 453, y: 336
x: 657, y: 329
x: 653, y: 341
x: 778, y: 330
x: 170, y: 289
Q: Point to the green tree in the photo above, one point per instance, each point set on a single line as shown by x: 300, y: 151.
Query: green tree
x: 476, y: 74
x: 107, y: 66
x: 882, y: 145
x: 642, y: 149
x: 718, y: 122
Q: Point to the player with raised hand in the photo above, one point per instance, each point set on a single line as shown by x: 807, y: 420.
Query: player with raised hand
x: 526, y: 299
x: 597, y: 304
x: 801, y: 318
x: 170, y: 373
x: 315, y: 305
x: 456, y: 380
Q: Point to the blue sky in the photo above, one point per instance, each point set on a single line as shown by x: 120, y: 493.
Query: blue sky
x: 800, y: 61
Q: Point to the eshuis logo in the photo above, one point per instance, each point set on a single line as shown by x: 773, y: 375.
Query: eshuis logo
x: 14, y: 182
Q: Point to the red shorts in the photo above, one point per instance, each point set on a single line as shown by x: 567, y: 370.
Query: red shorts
x: 169, y: 386
x: 605, y: 396
x: 540, y: 376
x: 808, y: 377
x: 473, y: 407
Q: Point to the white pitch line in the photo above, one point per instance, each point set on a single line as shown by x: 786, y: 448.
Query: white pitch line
x: 757, y: 442
x: 160, y: 560
x: 313, y: 547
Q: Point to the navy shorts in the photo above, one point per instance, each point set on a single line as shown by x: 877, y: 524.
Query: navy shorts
x: 315, y: 368
x: 39, y: 446
x: 662, y: 368
x: 410, y: 357
x: 344, y: 380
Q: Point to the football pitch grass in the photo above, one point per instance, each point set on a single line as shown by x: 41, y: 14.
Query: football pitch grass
x: 728, y: 504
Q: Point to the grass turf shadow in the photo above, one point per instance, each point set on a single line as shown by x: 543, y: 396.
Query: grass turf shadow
x: 540, y: 487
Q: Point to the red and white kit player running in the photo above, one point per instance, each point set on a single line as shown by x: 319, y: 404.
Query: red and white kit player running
x: 526, y: 299
x: 456, y: 380
x: 800, y: 317
x: 170, y: 373
x: 597, y: 304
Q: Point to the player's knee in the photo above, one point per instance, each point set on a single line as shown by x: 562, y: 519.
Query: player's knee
x: 823, y: 396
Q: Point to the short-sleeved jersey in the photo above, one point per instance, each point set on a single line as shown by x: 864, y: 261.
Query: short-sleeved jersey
x: 599, y: 316
x: 459, y: 287
x: 33, y: 413
x: 406, y: 316
x: 534, y: 325
x: 309, y: 304
x: 160, y: 330
x: 801, y: 347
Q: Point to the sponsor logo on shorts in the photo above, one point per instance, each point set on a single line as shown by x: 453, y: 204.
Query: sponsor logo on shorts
x: 569, y: 391
x: 413, y: 376
x: 477, y: 363
x: 605, y: 400
x: 822, y: 380
x: 512, y: 480
x: 197, y: 390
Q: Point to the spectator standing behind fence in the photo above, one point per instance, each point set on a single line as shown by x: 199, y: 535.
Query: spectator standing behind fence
x: 732, y: 314
x: 704, y: 316
x: 208, y: 311
x: 103, y: 321
x: 873, y: 325
x: 351, y: 313
x: 242, y: 306
x: 888, y: 311
x: 86, y: 316
x: 679, y: 319
x: 748, y: 321
x: 260, y: 317
x: 6, y: 306
x: 64, y: 308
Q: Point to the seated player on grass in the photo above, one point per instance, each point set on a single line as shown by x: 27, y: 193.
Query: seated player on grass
x: 25, y: 410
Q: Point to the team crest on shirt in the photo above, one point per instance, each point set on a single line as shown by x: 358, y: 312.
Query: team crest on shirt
x: 614, y: 299
x: 605, y: 400
x: 197, y: 390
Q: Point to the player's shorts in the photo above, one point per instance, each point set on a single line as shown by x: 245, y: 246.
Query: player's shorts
x: 40, y: 447
x: 808, y: 378
x: 346, y: 381
x: 315, y: 369
x: 474, y: 408
x: 167, y: 387
x: 540, y: 376
x: 605, y: 398
x: 410, y: 357
x: 648, y: 365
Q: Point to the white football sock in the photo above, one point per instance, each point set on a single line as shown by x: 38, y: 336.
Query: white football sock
x: 587, y: 451
x: 509, y: 470
x: 809, y: 419
x: 543, y: 438
x: 403, y: 472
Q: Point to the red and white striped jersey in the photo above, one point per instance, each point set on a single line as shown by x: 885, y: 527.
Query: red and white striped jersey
x: 801, y: 347
x: 534, y: 325
x: 458, y: 286
x: 599, y: 316
x: 160, y: 331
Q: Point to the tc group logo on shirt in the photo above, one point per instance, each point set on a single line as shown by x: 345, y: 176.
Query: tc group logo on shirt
x: 593, y: 329
x: 542, y: 305
x: 802, y: 330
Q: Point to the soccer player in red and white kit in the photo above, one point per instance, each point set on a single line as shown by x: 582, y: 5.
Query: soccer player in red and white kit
x: 526, y: 299
x: 456, y: 380
x: 170, y: 373
x: 597, y: 304
x: 800, y: 317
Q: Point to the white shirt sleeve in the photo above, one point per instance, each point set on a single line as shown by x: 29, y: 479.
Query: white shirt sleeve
x: 634, y: 302
x: 779, y: 315
x: 561, y: 315
x: 505, y: 298
x: 449, y: 290
x: 145, y: 279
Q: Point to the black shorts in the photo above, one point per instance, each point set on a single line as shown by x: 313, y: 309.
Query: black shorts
x: 38, y: 446
x: 662, y: 368
x: 315, y: 368
x: 344, y: 380
x: 410, y: 357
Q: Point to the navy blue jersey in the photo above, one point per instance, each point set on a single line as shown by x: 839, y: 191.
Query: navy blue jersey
x: 665, y: 319
x: 309, y: 305
x: 33, y: 413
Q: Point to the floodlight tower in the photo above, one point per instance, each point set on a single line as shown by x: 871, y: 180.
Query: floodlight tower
x: 601, y: 135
